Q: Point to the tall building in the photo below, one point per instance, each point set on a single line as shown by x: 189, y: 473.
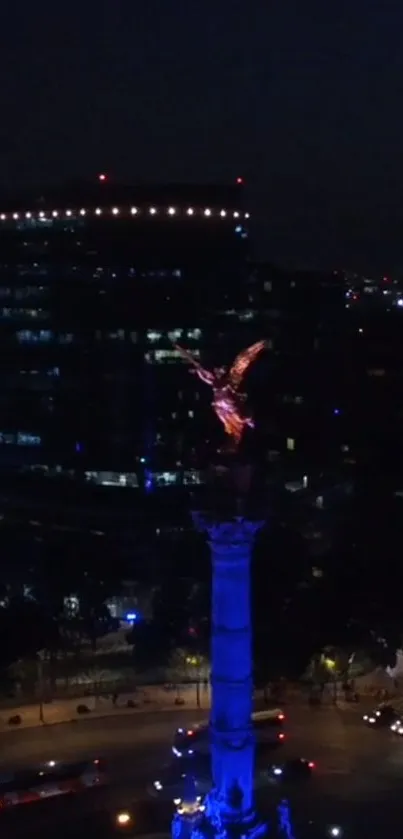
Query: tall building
x: 97, y: 283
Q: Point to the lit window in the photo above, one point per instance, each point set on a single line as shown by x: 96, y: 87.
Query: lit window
x: 113, y: 479
x: 165, y: 478
x: 24, y: 438
x: 267, y: 285
x: 28, y: 336
x: 290, y: 444
x: 167, y: 356
x: 194, y: 334
x: 153, y: 336
x: 192, y: 477
x: 175, y: 334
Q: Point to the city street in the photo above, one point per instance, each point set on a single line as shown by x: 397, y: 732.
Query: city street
x: 354, y: 765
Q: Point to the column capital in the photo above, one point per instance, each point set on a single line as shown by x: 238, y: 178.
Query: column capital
x: 237, y: 532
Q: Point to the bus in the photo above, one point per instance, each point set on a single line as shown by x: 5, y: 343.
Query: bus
x: 268, y: 728
x: 49, y: 780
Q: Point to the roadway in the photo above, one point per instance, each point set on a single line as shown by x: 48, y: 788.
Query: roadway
x: 355, y: 766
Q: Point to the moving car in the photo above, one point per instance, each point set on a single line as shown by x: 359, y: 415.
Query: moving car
x: 295, y: 769
x: 268, y: 729
x: 397, y: 727
x: 382, y: 717
x: 50, y: 780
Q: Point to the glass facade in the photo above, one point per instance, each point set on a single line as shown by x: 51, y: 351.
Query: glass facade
x: 96, y: 286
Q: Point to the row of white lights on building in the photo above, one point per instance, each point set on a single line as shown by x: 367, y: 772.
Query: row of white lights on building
x: 115, y: 211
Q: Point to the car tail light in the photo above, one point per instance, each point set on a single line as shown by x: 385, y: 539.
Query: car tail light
x: 190, y: 733
x: 281, y: 717
x: 281, y: 736
x: 311, y: 764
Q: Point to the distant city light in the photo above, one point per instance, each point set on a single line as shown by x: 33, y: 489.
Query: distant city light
x: 336, y: 411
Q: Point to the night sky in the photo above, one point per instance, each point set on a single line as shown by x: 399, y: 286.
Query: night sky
x: 305, y: 100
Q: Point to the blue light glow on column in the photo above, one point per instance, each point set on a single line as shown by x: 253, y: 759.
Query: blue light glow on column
x: 232, y: 740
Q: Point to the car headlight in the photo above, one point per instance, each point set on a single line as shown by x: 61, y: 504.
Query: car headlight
x: 123, y: 819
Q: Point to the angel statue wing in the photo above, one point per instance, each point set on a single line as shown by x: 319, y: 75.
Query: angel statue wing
x: 243, y: 361
x: 203, y: 374
x: 187, y: 356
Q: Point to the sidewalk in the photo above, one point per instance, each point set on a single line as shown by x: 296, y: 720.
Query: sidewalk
x: 144, y: 700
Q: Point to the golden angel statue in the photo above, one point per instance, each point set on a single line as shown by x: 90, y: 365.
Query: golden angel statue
x: 228, y: 403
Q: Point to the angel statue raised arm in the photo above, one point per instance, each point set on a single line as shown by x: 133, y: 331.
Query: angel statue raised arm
x: 228, y: 402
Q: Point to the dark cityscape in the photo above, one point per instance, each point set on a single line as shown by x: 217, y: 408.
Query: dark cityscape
x: 201, y: 450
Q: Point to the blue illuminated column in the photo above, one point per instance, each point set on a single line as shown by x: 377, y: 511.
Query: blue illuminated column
x: 232, y: 741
